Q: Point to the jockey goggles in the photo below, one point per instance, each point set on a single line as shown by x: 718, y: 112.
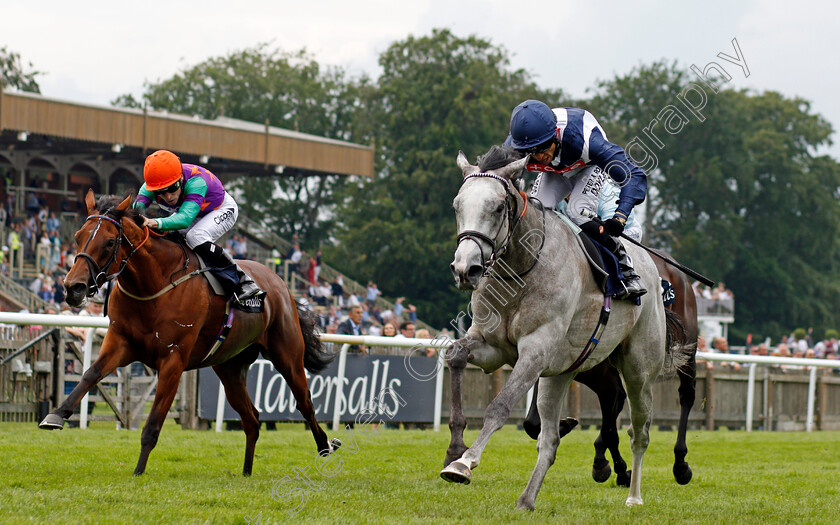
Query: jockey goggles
x: 169, y: 189
x: 539, y: 148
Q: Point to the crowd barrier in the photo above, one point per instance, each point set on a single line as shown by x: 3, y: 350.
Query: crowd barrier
x: 411, y: 382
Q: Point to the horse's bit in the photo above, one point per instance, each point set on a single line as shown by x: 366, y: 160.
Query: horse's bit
x: 97, y: 272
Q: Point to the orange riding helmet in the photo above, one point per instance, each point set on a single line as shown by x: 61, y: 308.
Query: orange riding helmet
x: 162, y: 169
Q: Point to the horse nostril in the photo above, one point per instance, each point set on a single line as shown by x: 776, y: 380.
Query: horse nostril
x: 474, y: 272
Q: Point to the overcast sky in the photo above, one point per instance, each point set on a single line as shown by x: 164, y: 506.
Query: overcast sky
x: 93, y: 51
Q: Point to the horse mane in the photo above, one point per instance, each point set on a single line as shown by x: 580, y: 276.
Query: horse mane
x: 498, y: 157
x: 107, y: 205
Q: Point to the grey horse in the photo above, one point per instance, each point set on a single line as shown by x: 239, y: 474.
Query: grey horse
x: 535, y: 306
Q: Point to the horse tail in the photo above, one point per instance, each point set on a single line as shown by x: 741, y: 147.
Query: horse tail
x: 315, y: 359
x: 678, y: 351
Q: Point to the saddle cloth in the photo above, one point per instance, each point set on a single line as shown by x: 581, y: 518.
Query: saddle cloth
x: 215, y: 276
x: 603, y: 263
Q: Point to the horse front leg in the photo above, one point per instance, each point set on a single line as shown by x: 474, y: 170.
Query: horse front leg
x: 113, y: 354
x: 456, y: 357
x: 554, y: 390
x: 169, y: 376
x: 525, y: 372
x: 532, y: 422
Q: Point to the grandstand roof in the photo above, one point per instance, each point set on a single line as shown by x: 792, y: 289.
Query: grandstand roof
x: 271, y: 148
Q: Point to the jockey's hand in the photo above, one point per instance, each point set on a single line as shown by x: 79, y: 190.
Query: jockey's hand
x: 613, y: 227
x: 149, y: 223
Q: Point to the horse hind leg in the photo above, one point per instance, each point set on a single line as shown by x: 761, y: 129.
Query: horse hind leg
x: 169, y: 376
x: 234, y: 374
x: 687, y: 391
x: 640, y: 395
x: 290, y: 366
x: 604, y: 380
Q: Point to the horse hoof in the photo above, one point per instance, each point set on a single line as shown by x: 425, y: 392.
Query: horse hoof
x: 567, y: 425
x: 335, y: 444
x: 682, y: 473
x: 634, y: 502
x: 601, y: 474
x: 623, y: 479
x: 524, y: 505
x: 532, y: 429
x: 457, y: 472
x: 52, y: 422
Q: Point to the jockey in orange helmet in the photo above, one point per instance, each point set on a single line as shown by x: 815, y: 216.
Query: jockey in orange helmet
x: 200, y: 208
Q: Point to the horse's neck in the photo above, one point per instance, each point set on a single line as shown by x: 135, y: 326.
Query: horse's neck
x: 152, y: 265
x: 560, y: 259
x: 526, y: 244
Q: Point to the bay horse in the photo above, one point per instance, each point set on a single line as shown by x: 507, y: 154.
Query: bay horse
x: 540, y: 321
x: 165, y: 318
x: 604, y: 380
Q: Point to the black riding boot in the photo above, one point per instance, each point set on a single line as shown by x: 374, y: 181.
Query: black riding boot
x: 214, y: 255
x: 632, y: 283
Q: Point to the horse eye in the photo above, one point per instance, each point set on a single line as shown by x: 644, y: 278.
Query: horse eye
x: 110, y: 243
x: 500, y: 208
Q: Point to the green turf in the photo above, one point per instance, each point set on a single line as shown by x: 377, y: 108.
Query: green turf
x: 75, y: 476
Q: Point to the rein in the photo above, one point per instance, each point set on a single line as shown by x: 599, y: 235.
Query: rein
x: 513, y: 221
x: 98, y: 272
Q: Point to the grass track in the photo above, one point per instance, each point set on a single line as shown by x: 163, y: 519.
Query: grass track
x: 75, y: 476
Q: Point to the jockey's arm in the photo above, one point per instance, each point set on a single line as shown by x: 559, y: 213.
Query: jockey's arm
x: 194, y: 191
x: 613, y: 159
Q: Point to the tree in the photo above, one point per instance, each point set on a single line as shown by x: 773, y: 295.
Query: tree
x: 288, y: 90
x: 437, y: 94
x: 740, y: 194
x: 15, y: 74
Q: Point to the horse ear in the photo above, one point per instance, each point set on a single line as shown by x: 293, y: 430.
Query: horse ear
x: 464, y: 164
x: 125, y: 204
x: 90, y: 201
x: 511, y: 171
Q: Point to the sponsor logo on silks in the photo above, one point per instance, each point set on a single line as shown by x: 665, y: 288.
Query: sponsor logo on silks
x: 224, y: 217
x: 669, y: 295
x: 253, y: 302
x: 548, y: 169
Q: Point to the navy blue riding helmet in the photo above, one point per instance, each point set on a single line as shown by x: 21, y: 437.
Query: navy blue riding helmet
x: 532, y: 124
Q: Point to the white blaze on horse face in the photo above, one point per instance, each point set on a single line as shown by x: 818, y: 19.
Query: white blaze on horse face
x: 479, y: 207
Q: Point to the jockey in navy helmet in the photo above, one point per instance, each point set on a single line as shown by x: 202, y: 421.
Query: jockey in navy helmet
x: 574, y: 157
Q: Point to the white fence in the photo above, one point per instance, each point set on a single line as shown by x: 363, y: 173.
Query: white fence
x: 347, y: 340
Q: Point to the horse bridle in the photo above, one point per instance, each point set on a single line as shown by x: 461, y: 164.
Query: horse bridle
x: 513, y: 220
x: 97, y: 272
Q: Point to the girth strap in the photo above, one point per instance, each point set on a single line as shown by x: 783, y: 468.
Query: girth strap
x: 595, y: 339
x: 165, y: 288
x: 223, y: 332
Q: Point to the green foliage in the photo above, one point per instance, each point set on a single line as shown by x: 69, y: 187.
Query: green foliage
x: 799, y: 333
x: 15, y: 74
x: 831, y: 333
x: 288, y: 90
x: 437, y: 94
x: 740, y: 195
x: 738, y: 192
x: 76, y: 476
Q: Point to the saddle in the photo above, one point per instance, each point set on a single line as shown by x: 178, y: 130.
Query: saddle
x: 602, y: 262
x: 216, y: 276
